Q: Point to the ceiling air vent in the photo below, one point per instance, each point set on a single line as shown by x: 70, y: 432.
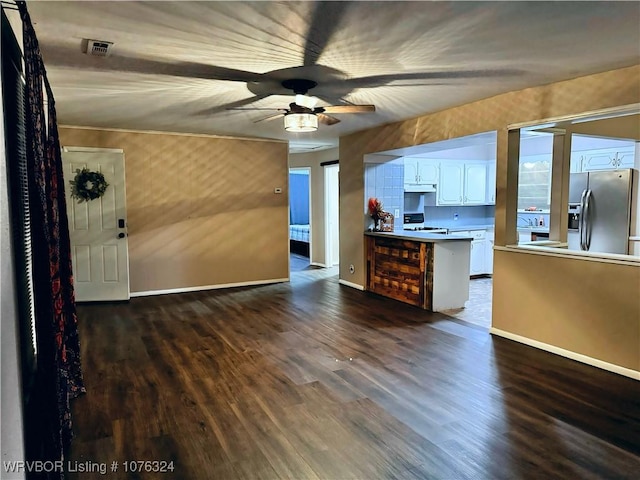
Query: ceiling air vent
x: 99, y: 48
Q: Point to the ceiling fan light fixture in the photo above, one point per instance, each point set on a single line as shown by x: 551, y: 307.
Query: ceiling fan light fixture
x: 300, y: 122
x: 306, y: 101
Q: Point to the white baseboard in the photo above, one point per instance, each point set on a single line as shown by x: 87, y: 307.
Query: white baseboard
x: 207, y: 287
x: 594, y: 362
x: 352, y: 285
x: 318, y: 264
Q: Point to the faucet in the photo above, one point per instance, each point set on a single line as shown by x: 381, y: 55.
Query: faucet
x: 528, y: 220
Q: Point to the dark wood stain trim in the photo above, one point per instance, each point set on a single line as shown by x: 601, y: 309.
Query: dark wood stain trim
x: 329, y: 162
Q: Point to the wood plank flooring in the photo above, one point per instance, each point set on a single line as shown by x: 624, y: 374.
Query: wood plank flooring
x: 313, y: 380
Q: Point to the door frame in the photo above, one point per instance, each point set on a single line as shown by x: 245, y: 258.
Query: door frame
x: 329, y: 231
x: 308, y: 172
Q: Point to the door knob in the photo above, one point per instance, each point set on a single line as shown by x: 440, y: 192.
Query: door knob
x: 121, y: 235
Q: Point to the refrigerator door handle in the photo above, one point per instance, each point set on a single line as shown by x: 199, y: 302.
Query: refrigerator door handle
x: 581, y: 223
x: 587, y: 222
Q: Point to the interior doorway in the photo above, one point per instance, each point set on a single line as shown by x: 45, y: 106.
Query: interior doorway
x: 332, y: 214
x: 299, y: 218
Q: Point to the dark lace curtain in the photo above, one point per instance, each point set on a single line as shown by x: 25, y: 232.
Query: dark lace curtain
x: 59, y: 375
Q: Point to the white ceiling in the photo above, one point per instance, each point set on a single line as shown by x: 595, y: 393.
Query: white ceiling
x: 176, y: 66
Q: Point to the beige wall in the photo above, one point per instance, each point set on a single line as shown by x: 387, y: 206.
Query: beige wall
x: 619, y: 127
x: 316, y: 181
x: 572, y: 97
x: 201, y: 210
x: 586, y: 307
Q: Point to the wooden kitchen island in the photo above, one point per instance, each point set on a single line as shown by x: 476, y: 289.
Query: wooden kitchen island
x: 429, y: 270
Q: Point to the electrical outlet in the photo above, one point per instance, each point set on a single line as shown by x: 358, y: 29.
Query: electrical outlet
x: 455, y: 216
x: 397, y: 213
x: 277, y: 190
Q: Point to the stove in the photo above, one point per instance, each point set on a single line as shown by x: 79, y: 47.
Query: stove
x: 422, y: 228
x: 415, y: 222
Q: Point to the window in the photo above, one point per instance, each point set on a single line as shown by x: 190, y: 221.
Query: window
x: 534, y: 174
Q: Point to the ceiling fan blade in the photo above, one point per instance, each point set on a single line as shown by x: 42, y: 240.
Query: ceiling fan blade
x: 380, y: 80
x: 257, y: 108
x: 327, y: 119
x: 63, y: 56
x: 349, y: 109
x: 270, y: 117
x: 232, y: 105
x: 325, y: 20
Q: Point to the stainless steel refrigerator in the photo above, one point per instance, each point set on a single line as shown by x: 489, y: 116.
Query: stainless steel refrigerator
x: 600, y: 208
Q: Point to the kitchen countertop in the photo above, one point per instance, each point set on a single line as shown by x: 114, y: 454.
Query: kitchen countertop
x: 534, y: 229
x: 419, y: 236
x: 470, y: 227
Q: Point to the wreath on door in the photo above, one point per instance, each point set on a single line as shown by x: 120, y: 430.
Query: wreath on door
x: 88, y: 185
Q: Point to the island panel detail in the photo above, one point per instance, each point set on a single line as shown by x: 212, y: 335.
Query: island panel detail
x: 401, y: 269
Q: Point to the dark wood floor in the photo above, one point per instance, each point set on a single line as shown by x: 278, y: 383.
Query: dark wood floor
x: 313, y: 380
x: 298, y: 262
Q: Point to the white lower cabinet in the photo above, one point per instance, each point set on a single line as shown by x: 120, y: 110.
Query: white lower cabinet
x: 478, y: 255
x: 524, y: 236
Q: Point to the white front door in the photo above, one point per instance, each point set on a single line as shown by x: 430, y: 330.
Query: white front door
x: 97, y: 228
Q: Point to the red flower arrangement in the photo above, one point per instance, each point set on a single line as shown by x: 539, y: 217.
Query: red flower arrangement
x: 375, y: 211
x: 375, y: 208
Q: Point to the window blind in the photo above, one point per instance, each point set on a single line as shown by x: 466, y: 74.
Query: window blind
x: 14, y: 106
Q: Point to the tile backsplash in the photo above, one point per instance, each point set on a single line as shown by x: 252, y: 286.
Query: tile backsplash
x: 385, y: 181
x: 459, y: 215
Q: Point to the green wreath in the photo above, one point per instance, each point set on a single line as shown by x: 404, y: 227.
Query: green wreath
x: 88, y: 185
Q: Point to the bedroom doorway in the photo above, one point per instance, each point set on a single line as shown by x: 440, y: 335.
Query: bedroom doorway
x: 299, y: 218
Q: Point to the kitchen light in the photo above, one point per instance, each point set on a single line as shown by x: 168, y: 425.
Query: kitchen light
x: 300, y: 122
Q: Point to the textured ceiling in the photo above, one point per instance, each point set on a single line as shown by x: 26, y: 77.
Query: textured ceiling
x: 177, y: 66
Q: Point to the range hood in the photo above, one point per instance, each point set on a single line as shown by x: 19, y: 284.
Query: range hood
x: 422, y: 188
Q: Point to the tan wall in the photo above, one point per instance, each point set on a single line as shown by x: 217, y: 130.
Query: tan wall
x: 582, y: 306
x: 316, y: 181
x: 619, y: 127
x: 594, y: 92
x: 200, y: 210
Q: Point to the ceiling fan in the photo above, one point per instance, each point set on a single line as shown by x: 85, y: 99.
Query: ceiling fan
x: 322, y: 20
x: 302, y: 114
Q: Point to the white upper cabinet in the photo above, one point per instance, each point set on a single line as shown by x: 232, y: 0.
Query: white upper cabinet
x: 420, y: 171
x: 451, y: 183
x: 475, y: 183
x: 603, y: 159
x: 462, y: 183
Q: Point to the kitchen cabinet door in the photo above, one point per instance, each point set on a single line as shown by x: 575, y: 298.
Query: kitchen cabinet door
x: 477, y: 257
x: 421, y: 171
x: 524, y: 236
x: 491, y: 183
x: 576, y: 162
x: 475, y: 183
x: 428, y: 171
x: 451, y: 183
x: 625, y: 158
x: 410, y: 171
x: 603, y: 159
